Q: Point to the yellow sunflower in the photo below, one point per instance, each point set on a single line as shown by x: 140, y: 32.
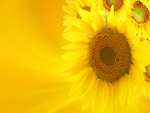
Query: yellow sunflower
x: 120, y: 6
x: 30, y: 80
x: 73, y: 8
x: 141, y: 69
x: 99, y: 62
x: 138, y: 17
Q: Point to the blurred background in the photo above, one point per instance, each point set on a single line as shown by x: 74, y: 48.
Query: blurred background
x: 30, y: 41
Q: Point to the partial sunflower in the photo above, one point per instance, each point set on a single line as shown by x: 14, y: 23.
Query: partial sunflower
x: 140, y: 105
x: 141, y: 69
x: 99, y: 61
x: 138, y: 17
x: 72, y: 10
x: 120, y: 6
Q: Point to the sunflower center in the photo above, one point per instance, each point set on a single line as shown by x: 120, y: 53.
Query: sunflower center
x: 147, y: 73
x: 140, y: 12
x: 110, y: 55
x: 110, y: 2
x: 117, y: 4
x: 107, y: 55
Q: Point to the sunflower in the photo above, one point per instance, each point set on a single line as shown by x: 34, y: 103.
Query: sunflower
x: 120, y: 6
x: 141, y: 69
x: 138, y: 17
x: 30, y: 80
x: 73, y: 8
x: 100, y: 61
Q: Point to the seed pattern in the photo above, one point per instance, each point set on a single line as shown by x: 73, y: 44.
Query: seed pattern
x: 117, y: 4
x: 143, y: 8
x: 110, y: 54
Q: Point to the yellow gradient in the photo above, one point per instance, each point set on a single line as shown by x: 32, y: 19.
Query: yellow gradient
x: 30, y: 41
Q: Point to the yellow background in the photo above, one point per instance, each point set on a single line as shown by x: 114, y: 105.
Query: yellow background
x: 30, y: 41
